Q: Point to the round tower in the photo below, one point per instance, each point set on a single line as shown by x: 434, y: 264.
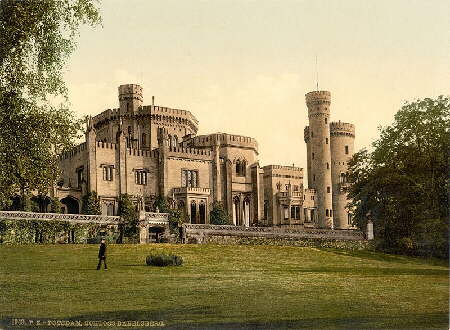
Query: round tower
x: 342, y: 142
x: 130, y: 97
x: 318, y: 103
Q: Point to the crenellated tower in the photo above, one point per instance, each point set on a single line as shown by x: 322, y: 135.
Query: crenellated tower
x: 342, y: 143
x: 130, y: 98
x: 319, y: 154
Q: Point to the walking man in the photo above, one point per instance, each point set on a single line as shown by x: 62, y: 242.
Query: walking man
x: 102, y: 254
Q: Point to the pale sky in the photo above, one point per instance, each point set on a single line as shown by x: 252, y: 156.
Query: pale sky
x: 243, y: 67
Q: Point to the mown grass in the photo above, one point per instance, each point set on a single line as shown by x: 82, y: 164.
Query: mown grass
x: 225, y: 287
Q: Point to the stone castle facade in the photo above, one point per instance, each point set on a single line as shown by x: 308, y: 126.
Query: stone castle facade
x: 149, y: 150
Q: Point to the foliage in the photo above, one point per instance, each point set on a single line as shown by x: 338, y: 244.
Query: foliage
x: 55, y: 205
x: 218, y: 215
x: 161, y: 204
x: 403, y: 183
x: 44, y: 232
x: 176, y: 217
x: 129, y: 215
x: 162, y: 260
x: 91, y: 203
x: 36, y: 39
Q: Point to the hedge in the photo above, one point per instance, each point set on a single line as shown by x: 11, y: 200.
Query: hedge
x: 43, y: 232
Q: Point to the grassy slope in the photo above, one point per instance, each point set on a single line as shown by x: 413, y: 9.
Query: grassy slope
x: 230, y: 286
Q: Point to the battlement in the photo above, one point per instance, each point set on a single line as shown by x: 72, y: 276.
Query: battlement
x: 339, y: 128
x: 192, y: 153
x: 74, y: 151
x: 130, y: 91
x: 106, y: 145
x: 318, y: 98
x: 275, y: 168
x: 225, y: 140
x: 142, y: 153
x: 108, y: 114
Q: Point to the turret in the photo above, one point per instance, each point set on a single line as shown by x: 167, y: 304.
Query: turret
x: 130, y: 97
x: 319, y: 155
x: 342, y: 143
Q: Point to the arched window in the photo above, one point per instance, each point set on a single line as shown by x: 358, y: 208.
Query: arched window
x: 343, y: 178
x: 238, y: 167
x: 175, y: 141
x: 170, y: 140
x: 328, y: 166
x: 243, y: 167
x: 236, y: 211
x: 193, y: 212
x: 202, y: 212
x: 326, y: 212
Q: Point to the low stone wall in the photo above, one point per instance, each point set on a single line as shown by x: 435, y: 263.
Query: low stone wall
x: 218, y: 234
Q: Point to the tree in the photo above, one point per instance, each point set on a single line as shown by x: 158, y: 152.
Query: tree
x: 218, y: 215
x: 403, y: 182
x: 91, y: 203
x: 129, y: 215
x: 36, y: 38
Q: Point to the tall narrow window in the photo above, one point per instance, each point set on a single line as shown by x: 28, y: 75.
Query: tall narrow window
x: 326, y: 212
x: 140, y: 177
x: 108, y: 173
x: 314, y: 177
x: 144, y: 139
x: 346, y: 150
x: 328, y: 189
x: 312, y: 156
x: 189, y: 178
x: 326, y: 120
x: 326, y: 140
x: 328, y: 166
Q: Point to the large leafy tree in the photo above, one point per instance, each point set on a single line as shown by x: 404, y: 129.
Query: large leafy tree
x: 403, y: 182
x: 36, y: 39
x: 129, y: 215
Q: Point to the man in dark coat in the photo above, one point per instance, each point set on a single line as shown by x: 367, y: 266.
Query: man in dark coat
x: 102, y: 254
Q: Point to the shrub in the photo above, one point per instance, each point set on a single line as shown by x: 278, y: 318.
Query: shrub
x: 162, y: 260
x: 91, y: 203
x: 218, y: 215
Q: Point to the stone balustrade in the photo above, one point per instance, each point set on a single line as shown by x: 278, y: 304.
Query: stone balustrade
x: 192, y: 190
x: 201, y: 230
x: 73, y: 218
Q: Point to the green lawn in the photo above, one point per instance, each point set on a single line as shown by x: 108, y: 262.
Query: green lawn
x: 225, y: 287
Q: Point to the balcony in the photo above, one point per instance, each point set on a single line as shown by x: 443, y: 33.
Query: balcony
x: 192, y: 191
x: 290, y: 194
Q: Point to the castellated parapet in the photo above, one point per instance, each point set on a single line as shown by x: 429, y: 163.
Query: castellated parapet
x: 129, y: 92
x: 318, y: 98
x: 340, y: 128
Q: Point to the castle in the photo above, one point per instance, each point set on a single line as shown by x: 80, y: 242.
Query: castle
x: 149, y: 150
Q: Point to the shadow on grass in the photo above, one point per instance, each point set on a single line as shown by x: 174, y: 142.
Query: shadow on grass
x: 384, y: 257
x: 199, y: 317
x: 372, y: 271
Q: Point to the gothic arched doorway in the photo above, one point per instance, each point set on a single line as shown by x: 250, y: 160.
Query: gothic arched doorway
x: 70, y: 205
